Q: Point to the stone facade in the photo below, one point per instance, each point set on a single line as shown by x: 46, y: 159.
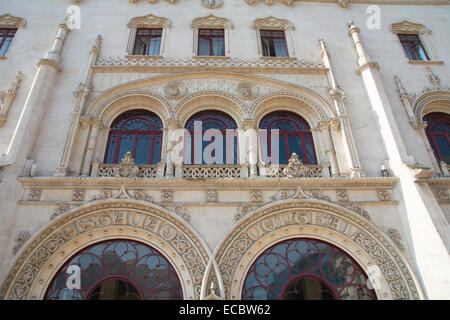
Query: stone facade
x: 377, y: 191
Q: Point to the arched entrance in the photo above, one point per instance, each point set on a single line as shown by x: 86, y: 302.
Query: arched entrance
x: 124, y: 220
x: 365, y: 249
x: 305, y: 269
x: 116, y: 270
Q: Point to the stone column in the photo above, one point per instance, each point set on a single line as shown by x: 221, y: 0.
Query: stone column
x: 343, y: 124
x: 81, y: 95
x: 324, y: 127
x: 174, y: 147
x: 27, y: 129
x: 96, y: 125
x: 426, y: 227
x: 249, y: 146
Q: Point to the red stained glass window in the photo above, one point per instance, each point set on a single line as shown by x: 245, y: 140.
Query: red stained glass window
x: 224, y: 150
x: 294, y: 136
x: 438, y: 133
x: 306, y: 269
x: 136, y: 131
x: 117, y: 270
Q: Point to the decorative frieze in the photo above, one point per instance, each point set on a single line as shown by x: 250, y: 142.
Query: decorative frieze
x: 208, y: 64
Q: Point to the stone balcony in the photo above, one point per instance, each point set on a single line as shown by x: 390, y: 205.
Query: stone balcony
x: 126, y: 168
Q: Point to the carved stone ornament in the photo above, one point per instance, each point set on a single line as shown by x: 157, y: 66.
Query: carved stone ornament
x: 166, y: 196
x: 9, y: 21
x: 360, y: 210
x: 342, y: 195
x: 247, y: 91
x: 395, y: 236
x: 211, y: 4
x: 296, y: 168
x: 35, y: 195
x: 21, y: 238
x: 384, y: 195
x: 175, y: 90
x: 126, y: 167
x: 442, y: 194
x: 61, y: 209
x: 256, y: 196
x: 78, y: 195
x: 211, y: 196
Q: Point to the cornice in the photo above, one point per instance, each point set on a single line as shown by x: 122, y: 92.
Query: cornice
x: 51, y: 182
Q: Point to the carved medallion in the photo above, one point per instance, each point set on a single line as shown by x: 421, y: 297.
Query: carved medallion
x: 175, y: 90
x: 211, y: 4
x: 247, y: 91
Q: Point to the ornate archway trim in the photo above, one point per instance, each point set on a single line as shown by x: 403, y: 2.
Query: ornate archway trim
x: 138, y: 87
x: 420, y: 103
x: 282, y: 215
x: 94, y: 219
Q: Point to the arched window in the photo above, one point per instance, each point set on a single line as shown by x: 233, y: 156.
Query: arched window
x: 136, y: 131
x: 438, y: 133
x: 211, y: 138
x: 294, y: 136
x: 305, y: 269
x: 116, y: 270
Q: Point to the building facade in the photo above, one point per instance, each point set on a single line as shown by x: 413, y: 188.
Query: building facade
x: 178, y: 150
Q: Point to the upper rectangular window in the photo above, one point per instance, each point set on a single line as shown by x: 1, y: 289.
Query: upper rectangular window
x: 6, y: 36
x: 148, y: 42
x: 413, y: 47
x: 211, y: 42
x: 273, y: 43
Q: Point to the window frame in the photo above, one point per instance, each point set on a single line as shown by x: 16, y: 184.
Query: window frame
x: 409, y: 42
x: 146, y: 22
x: 149, y: 36
x: 211, y: 42
x: 153, y: 134
x: 10, y: 22
x: 437, y: 116
x: 284, y: 134
x: 211, y: 22
x: 423, y: 34
x: 272, y: 37
x: 275, y: 24
x: 4, y: 38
